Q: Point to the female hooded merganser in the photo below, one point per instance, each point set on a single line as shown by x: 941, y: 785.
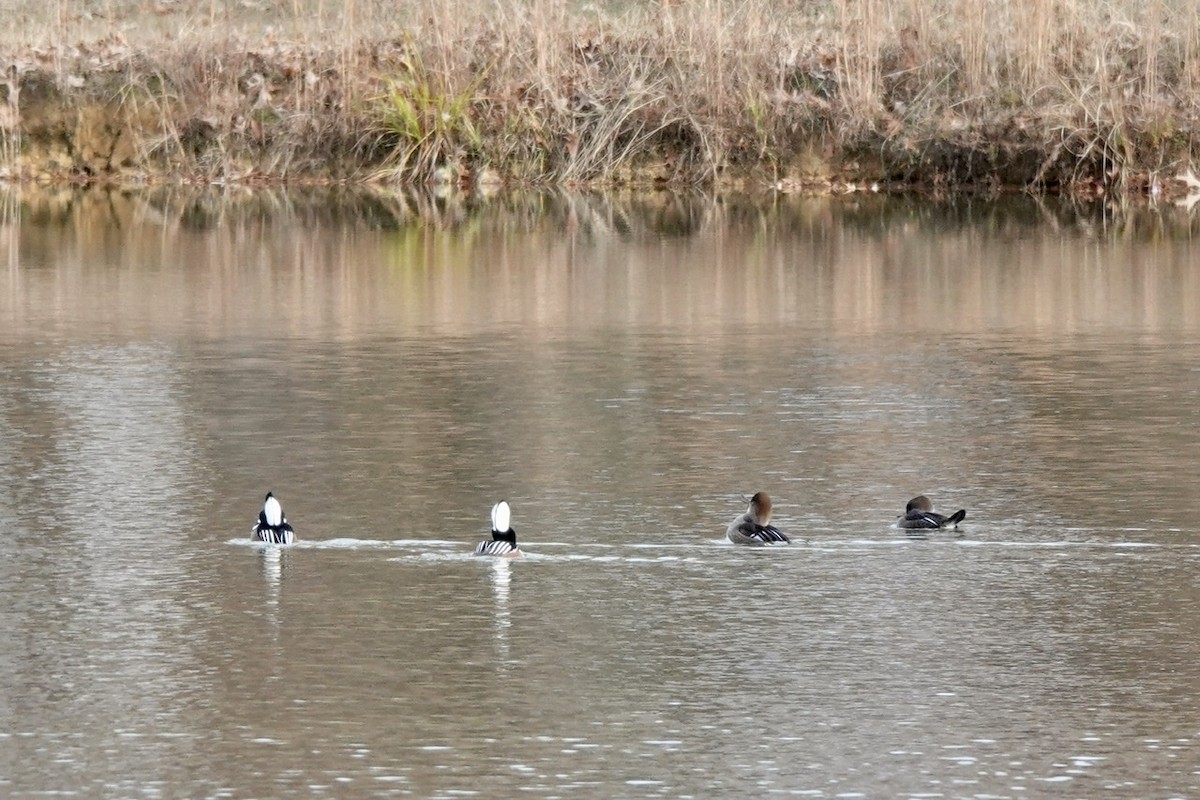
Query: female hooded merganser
x: 504, y: 537
x: 754, y: 526
x: 272, y: 525
x: 919, y: 513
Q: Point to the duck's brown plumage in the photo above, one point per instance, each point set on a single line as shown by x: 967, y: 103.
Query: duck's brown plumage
x: 753, y: 527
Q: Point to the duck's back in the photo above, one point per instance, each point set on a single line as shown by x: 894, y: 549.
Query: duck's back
x: 496, y: 547
x: 929, y: 520
x: 743, y: 530
x: 282, y: 534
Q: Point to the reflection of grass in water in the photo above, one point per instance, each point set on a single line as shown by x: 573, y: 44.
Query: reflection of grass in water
x: 555, y: 91
x: 10, y: 121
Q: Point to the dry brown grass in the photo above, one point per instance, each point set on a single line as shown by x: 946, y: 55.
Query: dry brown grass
x: 1033, y: 93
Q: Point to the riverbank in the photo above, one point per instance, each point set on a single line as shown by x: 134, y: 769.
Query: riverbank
x: 805, y: 97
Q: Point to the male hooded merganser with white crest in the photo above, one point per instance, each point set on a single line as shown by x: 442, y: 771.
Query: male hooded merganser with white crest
x: 504, y: 536
x: 919, y: 513
x: 754, y: 526
x: 272, y: 525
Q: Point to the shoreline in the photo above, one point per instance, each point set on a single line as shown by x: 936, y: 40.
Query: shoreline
x: 579, y: 105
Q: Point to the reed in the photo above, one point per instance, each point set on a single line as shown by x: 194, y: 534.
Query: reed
x: 1033, y: 93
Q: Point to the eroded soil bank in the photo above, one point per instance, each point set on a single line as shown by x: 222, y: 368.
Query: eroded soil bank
x: 590, y: 104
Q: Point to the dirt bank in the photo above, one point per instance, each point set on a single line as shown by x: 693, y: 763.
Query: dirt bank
x: 586, y: 104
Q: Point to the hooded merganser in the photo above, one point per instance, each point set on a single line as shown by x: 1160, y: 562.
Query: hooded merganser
x: 504, y: 537
x: 272, y: 525
x: 919, y: 513
x: 754, y: 526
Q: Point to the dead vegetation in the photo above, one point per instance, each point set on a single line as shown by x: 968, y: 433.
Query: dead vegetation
x: 1053, y: 96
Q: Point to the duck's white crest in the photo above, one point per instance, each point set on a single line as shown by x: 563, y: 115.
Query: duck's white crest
x: 273, y: 510
x: 501, y: 516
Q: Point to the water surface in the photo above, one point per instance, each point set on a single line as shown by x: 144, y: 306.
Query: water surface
x: 625, y: 373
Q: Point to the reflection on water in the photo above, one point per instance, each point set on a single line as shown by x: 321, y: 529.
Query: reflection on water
x: 332, y: 267
x: 629, y: 371
x: 272, y: 572
x: 501, y: 576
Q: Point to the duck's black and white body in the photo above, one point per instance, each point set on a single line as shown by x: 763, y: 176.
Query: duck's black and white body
x: 919, y: 514
x: 504, y: 536
x: 754, y: 526
x: 272, y: 525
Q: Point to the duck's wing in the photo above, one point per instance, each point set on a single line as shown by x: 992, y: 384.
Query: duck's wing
x: 747, y: 532
x: 280, y: 535
x: 921, y: 519
x: 769, y: 534
x: 932, y: 519
x: 494, y: 547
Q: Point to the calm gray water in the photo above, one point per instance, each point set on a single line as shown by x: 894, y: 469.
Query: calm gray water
x: 625, y: 373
